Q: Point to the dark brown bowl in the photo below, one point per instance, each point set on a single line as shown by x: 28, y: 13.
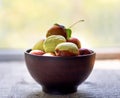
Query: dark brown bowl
x: 59, y: 75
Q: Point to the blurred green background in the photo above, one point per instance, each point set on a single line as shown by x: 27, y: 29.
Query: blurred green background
x: 24, y: 22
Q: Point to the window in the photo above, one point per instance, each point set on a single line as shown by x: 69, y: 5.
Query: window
x: 23, y: 23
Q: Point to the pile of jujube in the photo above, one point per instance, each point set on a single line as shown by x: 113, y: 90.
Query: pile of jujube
x: 59, y: 42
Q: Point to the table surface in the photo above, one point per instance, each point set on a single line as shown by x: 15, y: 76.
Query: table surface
x: 103, y: 82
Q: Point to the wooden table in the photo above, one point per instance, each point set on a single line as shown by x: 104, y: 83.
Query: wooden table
x: 104, y: 82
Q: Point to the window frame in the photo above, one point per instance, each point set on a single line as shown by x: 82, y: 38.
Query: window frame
x: 18, y: 55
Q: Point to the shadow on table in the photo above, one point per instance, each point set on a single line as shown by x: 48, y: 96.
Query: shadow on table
x: 79, y: 94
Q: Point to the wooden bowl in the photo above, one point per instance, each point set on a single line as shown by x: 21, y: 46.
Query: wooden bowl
x: 59, y: 75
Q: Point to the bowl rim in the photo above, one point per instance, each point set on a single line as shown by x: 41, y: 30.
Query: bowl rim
x: 28, y: 50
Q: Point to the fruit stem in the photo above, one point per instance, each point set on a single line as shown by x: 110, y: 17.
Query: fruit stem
x: 76, y: 23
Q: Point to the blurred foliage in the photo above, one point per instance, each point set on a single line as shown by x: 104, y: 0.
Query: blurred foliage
x: 24, y: 22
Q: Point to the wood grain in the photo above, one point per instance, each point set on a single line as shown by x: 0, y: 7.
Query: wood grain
x: 104, y: 82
